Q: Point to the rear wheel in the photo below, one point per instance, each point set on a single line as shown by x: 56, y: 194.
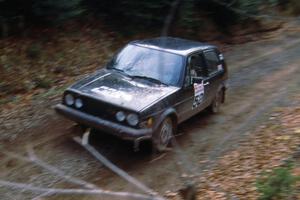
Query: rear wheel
x: 163, y: 135
x: 217, y: 101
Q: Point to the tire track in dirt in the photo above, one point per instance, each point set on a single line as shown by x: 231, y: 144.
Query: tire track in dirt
x: 255, y: 87
x: 219, y: 138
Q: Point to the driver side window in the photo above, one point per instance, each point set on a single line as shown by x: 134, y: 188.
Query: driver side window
x: 195, y: 68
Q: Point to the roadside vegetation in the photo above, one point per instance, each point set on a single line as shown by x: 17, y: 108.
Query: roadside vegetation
x: 45, y: 45
x: 279, y: 183
x: 265, y: 166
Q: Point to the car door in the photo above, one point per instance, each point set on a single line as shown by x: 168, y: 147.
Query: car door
x: 215, y: 70
x: 192, y: 95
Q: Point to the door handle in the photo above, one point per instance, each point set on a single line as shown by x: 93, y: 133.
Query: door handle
x: 207, y: 83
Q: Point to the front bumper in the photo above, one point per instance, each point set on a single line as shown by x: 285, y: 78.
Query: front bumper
x: 113, y: 128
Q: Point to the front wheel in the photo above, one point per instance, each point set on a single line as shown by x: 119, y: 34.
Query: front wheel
x: 162, y: 137
x: 215, y: 106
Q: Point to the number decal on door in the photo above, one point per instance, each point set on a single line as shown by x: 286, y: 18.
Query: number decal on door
x: 198, y: 94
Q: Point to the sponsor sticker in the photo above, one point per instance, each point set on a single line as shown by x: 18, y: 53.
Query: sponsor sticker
x: 198, y: 94
x: 220, y: 67
x: 112, y: 93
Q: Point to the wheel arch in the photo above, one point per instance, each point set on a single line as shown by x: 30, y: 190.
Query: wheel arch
x: 170, y: 112
x: 223, y: 88
x: 224, y: 94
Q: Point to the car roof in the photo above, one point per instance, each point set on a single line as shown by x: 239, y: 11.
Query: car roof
x: 173, y: 45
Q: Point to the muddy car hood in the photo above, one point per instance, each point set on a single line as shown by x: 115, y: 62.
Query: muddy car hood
x: 118, y: 89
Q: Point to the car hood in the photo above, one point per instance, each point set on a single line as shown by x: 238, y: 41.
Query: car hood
x: 116, y: 88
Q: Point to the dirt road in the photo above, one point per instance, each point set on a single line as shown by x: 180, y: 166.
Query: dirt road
x: 263, y: 76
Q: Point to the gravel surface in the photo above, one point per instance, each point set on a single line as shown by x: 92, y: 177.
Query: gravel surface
x: 263, y: 76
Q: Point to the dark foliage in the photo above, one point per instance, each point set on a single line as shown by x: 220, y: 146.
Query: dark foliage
x: 55, y: 11
x: 133, y: 15
x: 223, y: 16
x: 37, y: 11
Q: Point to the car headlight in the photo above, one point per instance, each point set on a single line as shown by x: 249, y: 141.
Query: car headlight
x: 120, y: 116
x: 132, y: 119
x: 78, y: 103
x: 69, y: 99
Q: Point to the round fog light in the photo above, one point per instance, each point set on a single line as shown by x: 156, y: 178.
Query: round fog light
x: 120, y: 116
x: 78, y: 103
x: 69, y: 99
x: 132, y: 119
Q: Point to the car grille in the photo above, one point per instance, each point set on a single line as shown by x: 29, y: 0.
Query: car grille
x: 98, y: 108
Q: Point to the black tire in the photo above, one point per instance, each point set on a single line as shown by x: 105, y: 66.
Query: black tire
x: 215, y: 105
x: 162, y: 137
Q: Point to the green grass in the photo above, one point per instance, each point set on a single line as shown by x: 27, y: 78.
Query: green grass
x: 277, y: 184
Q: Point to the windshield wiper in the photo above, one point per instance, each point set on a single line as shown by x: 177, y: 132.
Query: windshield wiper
x: 119, y: 70
x: 149, y: 78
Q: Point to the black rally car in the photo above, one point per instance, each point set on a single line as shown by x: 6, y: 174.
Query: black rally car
x: 148, y: 88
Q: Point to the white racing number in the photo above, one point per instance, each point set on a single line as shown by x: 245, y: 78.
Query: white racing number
x: 198, y: 94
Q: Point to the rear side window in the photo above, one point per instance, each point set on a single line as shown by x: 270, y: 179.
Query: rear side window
x: 212, y: 61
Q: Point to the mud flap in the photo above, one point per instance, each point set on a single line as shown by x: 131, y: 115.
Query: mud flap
x: 86, y: 136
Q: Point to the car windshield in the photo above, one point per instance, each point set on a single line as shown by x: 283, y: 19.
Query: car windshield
x: 141, y: 62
